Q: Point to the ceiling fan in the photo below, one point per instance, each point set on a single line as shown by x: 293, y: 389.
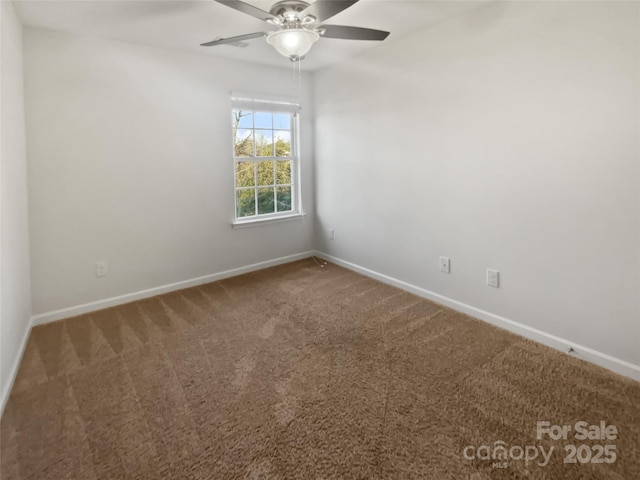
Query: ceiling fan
x: 300, y: 25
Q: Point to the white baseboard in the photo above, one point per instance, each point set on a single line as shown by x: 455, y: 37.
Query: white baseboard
x: 585, y: 353
x: 6, y: 389
x: 152, y: 292
x: 607, y: 361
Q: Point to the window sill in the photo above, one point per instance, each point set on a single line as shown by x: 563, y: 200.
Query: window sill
x: 256, y: 222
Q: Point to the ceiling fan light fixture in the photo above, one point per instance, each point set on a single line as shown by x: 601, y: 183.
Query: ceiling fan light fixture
x: 293, y: 42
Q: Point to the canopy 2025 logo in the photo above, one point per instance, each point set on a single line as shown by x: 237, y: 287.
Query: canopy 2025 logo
x: 500, y: 453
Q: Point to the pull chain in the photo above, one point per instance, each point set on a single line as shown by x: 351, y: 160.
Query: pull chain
x: 297, y: 77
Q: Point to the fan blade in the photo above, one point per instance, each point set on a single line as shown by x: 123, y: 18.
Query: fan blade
x: 249, y: 10
x: 239, y: 38
x: 325, y: 9
x: 352, y: 33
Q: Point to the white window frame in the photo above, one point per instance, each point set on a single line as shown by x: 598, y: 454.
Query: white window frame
x: 274, y: 105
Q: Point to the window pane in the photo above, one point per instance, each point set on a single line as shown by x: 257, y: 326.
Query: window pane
x: 283, y: 199
x: 245, y: 175
x: 243, y: 140
x: 242, y: 119
x: 263, y: 120
x: 283, y: 143
x: 245, y: 203
x: 283, y: 172
x: 282, y: 121
x: 265, y: 173
x: 265, y: 201
x: 264, y: 143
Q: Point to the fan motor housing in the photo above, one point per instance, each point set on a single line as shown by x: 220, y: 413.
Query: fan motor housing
x: 289, y: 10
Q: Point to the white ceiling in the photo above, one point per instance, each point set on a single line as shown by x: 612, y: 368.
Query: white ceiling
x: 185, y: 24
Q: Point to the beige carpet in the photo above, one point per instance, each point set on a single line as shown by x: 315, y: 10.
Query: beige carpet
x: 301, y: 372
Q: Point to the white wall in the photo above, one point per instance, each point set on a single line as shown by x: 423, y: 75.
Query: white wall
x: 15, y: 299
x: 507, y: 138
x: 130, y: 162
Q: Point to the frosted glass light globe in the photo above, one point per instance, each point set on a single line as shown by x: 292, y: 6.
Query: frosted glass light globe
x: 293, y: 42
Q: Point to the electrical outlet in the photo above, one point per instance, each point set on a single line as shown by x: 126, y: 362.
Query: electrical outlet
x: 493, y: 278
x: 102, y: 268
x: 445, y: 266
x: 331, y: 234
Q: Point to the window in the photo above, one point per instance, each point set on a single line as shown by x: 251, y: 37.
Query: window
x: 265, y: 159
